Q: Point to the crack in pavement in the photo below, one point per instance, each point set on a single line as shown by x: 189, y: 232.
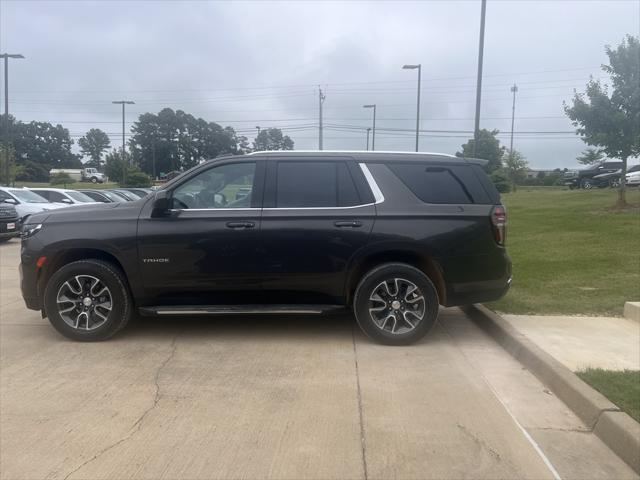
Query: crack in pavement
x: 137, y: 425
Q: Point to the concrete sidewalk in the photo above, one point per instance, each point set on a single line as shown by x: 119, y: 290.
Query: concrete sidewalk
x: 579, y: 342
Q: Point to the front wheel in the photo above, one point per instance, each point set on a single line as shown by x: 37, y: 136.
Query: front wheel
x: 586, y: 183
x: 396, y: 304
x: 614, y: 182
x: 88, y: 300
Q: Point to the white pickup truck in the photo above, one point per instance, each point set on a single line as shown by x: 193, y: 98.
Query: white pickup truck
x: 81, y: 174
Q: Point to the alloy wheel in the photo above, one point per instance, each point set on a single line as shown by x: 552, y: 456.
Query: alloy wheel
x: 84, y: 302
x: 397, y: 306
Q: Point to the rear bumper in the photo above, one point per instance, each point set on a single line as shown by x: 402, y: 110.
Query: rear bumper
x: 481, y: 291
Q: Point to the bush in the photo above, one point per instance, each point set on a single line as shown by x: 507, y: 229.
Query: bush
x: 61, y: 178
x: 136, y: 178
x: 501, y: 180
x: 33, y: 172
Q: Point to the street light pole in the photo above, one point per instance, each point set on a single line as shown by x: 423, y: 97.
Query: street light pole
x: 514, y: 89
x: 6, y: 57
x: 373, y: 137
x: 321, y: 97
x: 124, y: 165
x: 368, y: 130
x: 476, y: 130
x: 419, y: 68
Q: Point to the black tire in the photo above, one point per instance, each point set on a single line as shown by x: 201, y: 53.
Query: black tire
x: 586, y: 183
x: 367, y: 287
x: 112, y: 278
x: 614, y: 182
x: 94, y: 180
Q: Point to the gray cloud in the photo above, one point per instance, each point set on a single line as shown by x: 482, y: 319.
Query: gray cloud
x: 259, y: 63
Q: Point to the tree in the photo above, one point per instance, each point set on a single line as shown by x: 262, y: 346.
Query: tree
x: 114, y: 167
x: 136, y: 178
x: 612, y: 120
x: 590, y: 156
x: 7, y: 155
x: 272, y: 139
x: 516, y: 167
x: 42, y: 142
x: 61, y: 178
x: 93, y: 145
x: 175, y: 140
x: 488, y: 148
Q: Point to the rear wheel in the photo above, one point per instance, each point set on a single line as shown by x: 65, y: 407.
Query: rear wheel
x: 614, y: 182
x: 396, y: 304
x: 88, y: 300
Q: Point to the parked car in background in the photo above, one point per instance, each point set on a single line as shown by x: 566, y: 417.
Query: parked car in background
x: 9, y: 222
x: 63, y: 195
x: 130, y: 196
x: 584, y: 178
x: 104, y: 196
x: 140, y: 192
x: 81, y: 174
x: 390, y: 236
x: 26, y: 202
x: 633, y: 179
x: 612, y: 179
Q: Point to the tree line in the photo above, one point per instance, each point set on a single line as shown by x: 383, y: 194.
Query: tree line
x: 159, y: 143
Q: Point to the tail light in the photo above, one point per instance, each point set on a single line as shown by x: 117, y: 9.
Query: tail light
x: 499, y: 222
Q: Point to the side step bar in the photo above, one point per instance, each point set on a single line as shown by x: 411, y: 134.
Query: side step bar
x: 238, y: 310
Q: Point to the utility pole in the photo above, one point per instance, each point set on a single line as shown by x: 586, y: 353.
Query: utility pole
x: 321, y: 97
x: 368, y: 130
x: 476, y: 130
x: 7, y: 136
x: 124, y: 163
x: 514, y: 89
x: 419, y: 68
x: 373, y: 137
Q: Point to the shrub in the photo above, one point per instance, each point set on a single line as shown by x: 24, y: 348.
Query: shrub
x: 136, y: 178
x: 501, y: 180
x: 61, y: 178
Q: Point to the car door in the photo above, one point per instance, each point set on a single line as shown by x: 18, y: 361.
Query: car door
x: 317, y: 214
x: 206, y: 249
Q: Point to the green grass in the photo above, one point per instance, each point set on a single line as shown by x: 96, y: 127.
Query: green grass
x: 622, y: 388
x: 73, y: 186
x: 571, y: 254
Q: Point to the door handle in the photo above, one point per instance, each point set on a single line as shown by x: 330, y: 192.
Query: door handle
x: 348, y: 224
x: 240, y: 225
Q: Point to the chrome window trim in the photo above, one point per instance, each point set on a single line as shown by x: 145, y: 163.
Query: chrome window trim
x: 214, y: 209
x: 377, y: 193
x: 319, y: 208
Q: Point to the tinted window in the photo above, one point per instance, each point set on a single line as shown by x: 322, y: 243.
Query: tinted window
x: 314, y: 184
x: 225, y: 186
x: 441, y: 183
x: 54, y: 196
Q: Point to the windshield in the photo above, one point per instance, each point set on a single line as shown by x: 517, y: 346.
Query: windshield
x: 27, y: 196
x: 80, y: 197
x: 113, y: 196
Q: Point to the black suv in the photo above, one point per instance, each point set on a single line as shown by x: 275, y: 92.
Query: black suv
x: 584, y: 178
x: 389, y: 235
x: 9, y: 222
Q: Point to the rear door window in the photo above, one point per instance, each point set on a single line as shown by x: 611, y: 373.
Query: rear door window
x: 314, y: 185
x: 440, y: 183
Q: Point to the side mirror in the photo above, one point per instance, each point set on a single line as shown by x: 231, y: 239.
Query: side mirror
x: 161, y: 204
x: 12, y: 201
x: 67, y: 201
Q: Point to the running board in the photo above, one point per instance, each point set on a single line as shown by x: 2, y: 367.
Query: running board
x: 238, y: 310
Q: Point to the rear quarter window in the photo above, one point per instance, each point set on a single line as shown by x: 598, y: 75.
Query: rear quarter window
x: 442, y: 183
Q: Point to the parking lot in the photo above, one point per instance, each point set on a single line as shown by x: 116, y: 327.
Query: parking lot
x: 273, y: 397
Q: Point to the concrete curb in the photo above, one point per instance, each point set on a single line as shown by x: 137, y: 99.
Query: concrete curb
x: 632, y: 311
x: 615, y: 428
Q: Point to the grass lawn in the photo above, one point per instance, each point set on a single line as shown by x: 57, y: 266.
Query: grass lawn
x: 622, y: 388
x: 571, y: 255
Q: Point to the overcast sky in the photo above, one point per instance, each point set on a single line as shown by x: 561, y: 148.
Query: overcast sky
x: 248, y: 64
